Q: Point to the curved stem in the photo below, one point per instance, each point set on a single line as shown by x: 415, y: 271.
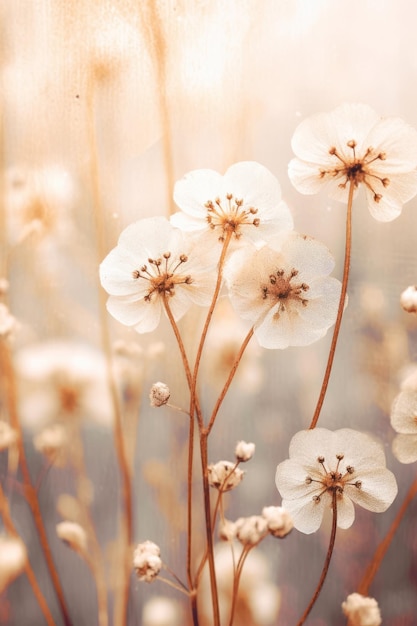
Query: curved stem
x: 348, y: 246
x: 11, y: 529
x: 236, y: 581
x: 229, y: 379
x: 326, y: 563
x: 30, y: 491
x: 386, y: 542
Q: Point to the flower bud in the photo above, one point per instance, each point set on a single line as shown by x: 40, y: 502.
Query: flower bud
x: 73, y: 535
x: 244, y: 451
x: 147, y: 561
x: 159, y: 394
x: 224, y: 475
x: 278, y: 520
x: 251, y: 530
x: 362, y: 611
x: 408, y: 299
x: 13, y: 559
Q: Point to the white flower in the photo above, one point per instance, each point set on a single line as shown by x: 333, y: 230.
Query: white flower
x: 361, y: 611
x: 285, y: 290
x: 224, y: 475
x: 8, y: 436
x: 404, y: 421
x: 354, y: 144
x: 147, y: 561
x: 153, y: 261
x: 73, y: 535
x: 159, y: 394
x: 13, y: 559
x: 60, y: 379
x: 408, y: 299
x: 245, y: 201
x: 278, y: 520
x: 244, y: 451
x: 346, y: 464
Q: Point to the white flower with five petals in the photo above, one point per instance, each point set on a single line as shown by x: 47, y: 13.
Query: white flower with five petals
x: 154, y: 262
x: 353, y: 144
x: 342, y: 466
x: 246, y: 201
x: 284, y: 288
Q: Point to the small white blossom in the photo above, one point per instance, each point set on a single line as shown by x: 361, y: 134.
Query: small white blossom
x: 73, y: 535
x: 147, y: 561
x: 251, y: 530
x: 246, y: 201
x: 324, y: 465
x: 152, y: 264
x: 159, y: 394
x: 8, y: 436
x: 404, y: 420
x: 224, y: 475
x: 244, y: 451
x: 408, y: 299
x: 352, y: 144
x: 13, y: 559
x: 284, y: 288
x: 361, y: 611
x: 278, y: 520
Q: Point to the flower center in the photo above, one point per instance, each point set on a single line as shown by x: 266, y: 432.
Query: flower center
x: 229, y: 216
x: 332, y: 480
x: 281, y: 289
x: 161, y: 275
x: 357, y: 169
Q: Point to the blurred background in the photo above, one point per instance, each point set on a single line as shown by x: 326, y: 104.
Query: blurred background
x: 104, y: 105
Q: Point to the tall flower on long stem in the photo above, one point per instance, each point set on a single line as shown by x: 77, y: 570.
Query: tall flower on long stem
x: 343, y: 150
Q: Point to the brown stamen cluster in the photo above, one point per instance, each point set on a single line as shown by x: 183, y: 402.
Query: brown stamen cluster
x: 161, y: 274
x: 282, y: 289
x: 333, y: 481
x: 229, y: 216
x: 357, y: 169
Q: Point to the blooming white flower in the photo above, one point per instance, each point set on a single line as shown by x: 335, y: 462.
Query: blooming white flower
x: 354, y: 144
x: 361, y: 611
x: 404, y: 420
x: 152, y: 261
x: 159, y: 394
x: 344, y: 464
x: 285, y: 290
x: 408, y: 299
x: 13, y: 559
x: 73, y: 535
x: 224, y: 475
x: 60, y: 379
x: 279, y: 521
x: 245, y: 201
x: 147, y: 561
x: 244, y: 451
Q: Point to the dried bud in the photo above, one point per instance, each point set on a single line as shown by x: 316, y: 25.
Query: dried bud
x: 244, y: 451
x: 13, y: 559
x: 224, y: 475
x: 362, y: 611
x: 278, y: 520
x: 408, y: 299
x: 8, y: 436
x: 159, y: 394
x: 251, y: 530
x: 147, y: 561
x: 73, y: 535
x: 227, y: 530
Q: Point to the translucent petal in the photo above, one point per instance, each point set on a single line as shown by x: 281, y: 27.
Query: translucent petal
x: 404, y: 412
x: 307, y: 516
x: 144, y: 316
x: 196, y: 188
x: 377, y: 491
x: 404, y: 448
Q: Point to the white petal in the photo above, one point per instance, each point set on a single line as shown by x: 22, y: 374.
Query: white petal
x: 307, y: 516
x: 255, y: 184
x: 144, y: 316
x: 398, y: 141
x: 378, y: 490
x: 196, y: 188
x: 404, y: 412
x: 345, y: 512
x: 404, y: 448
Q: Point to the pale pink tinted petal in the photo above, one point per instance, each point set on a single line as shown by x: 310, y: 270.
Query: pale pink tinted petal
x: 305, y: 176
x: 402, y: 187
x: 306, y: 515
x: 196, y: 188
x: 377, y: 492
x: 255, y: 185
x: 116, y: 274
x: 149, y: 237
x: 186, y: 222
x: 404, y: 448
x: 144, y: 316
x: 404, y: 412
x: 345, y: 512
x: 309, y: 257
x: 398, y: 141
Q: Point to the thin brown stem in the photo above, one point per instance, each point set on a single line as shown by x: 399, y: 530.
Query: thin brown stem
x: 326, y: 562
x: 11, y: 529
x: 30, y: 491
x: 236, y: 581
x: 338, y: 323
x: 229, y: 379
x: 386, y: 542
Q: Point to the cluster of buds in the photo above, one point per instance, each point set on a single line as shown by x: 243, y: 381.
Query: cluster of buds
x: 250, y: 531
x: 224, y: 475
x: 147, y: 561
x: 361, y: 611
